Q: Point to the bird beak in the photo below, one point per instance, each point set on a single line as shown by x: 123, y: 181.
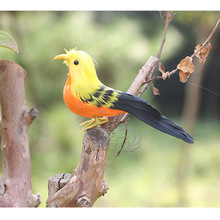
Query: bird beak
x: 60, y: 57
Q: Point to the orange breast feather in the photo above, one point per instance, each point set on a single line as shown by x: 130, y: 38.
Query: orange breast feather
x: 87, y: 110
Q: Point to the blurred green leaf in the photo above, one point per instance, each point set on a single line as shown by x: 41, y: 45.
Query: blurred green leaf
x: 7, y: 41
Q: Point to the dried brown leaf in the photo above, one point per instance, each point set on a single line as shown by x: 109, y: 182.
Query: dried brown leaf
x: 169, y: 15
x: 167, y: 74
x: 183, y: 76
x: 161, y: 68
x: 155, y: 90
x: 198, y: 47
x: 203, y: 53
x: 186, y: 65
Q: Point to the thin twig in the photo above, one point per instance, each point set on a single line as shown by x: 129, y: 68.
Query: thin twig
x: 154, y: 79
x: 208, y: 38
x: 160, y: 77
x: 164, y: 36
x: 172, y: 72
x: 159, y: 53
x: 161, y: 16
x: 126, y: 133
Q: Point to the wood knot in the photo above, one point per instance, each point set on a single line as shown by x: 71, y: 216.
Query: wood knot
x: 56, y: 182
x: 33, y: 112
x: 83, y: 201
x: 104, y: 188
x: 98, y: 136
x: 30, y: 115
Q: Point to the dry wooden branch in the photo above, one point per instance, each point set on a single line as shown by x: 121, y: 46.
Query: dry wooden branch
x: 15, y: 185
x: 87, y: 183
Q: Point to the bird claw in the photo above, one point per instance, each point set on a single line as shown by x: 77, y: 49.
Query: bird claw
x: 93, y: 123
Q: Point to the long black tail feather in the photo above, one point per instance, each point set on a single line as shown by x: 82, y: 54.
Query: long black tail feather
x: 140, y: 108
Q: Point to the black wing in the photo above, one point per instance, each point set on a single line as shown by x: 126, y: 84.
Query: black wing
x: 141, y: 109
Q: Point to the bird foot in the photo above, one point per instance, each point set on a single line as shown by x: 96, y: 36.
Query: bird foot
x: 93, y: 122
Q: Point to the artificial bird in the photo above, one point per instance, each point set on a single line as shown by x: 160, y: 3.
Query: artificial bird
x: 85, y: 95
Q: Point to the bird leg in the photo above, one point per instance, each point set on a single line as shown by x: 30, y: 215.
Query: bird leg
x: 93, y: 122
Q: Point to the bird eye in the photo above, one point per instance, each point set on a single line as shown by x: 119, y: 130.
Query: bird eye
x: 76, y: 62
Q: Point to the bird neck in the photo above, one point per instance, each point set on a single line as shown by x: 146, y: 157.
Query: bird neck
x: 82, y: 86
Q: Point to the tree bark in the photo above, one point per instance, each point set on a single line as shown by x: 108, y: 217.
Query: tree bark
x: 87, y: 184
x: 15, y: 184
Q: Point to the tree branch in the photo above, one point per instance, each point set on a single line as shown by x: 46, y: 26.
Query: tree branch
x: 87, y: 183
x: 15, y: 185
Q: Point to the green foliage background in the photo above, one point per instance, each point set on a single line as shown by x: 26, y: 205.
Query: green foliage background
x: 145, y: 173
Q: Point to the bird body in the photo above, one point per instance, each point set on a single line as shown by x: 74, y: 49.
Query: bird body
x: 86, y: 108
x: 85, y: 95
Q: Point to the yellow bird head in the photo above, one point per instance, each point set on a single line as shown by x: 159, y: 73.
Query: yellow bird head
x: 82, y: 74
x: 75, y: 59
x: 80, y: 64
